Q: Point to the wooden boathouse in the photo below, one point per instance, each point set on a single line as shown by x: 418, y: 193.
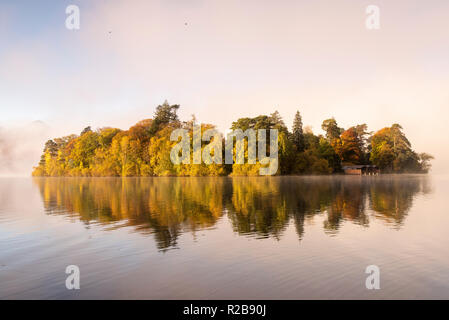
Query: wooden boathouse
x: 362, y: 169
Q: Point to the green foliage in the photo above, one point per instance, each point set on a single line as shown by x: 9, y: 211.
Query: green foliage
x: 298, y: 134
x: 86, y: 130
x: 391, y: 151
x: 327, y: 152
x: 164, y: 115
x: 331, y: 128
x: 285, y: 144
x: 144, y: 149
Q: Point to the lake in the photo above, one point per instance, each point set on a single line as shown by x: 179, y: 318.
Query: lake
x: 225, y: 238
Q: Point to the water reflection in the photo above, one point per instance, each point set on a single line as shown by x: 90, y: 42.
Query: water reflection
x: 255, y: 206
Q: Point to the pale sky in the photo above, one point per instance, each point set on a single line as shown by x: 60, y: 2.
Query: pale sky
x: 222, y: 60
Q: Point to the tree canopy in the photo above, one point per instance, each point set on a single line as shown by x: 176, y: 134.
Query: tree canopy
x: 144, y: 149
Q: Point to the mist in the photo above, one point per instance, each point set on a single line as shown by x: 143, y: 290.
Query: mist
x: 21, y: 147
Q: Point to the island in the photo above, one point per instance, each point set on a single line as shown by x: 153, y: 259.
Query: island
x: 144, y: 150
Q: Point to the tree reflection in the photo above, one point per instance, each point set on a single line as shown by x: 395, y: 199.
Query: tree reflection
x: 258, y: 207
x: 391, y: 198
x: 255, y: 206
x: 348, y: 203
x: 163, y: 206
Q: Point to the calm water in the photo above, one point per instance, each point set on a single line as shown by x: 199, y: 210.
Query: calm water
x: 225, y: 238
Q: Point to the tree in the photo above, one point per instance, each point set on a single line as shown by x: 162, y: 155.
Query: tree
x: 382, y: 155
x: 424, y: 163
x: 51, y: 147
x: 364, y: 136
x: 310, y: 162
x: 349, y: 148
x: 84, y: 150
x: 277, y: 120
x: 86, y: 130
x: 159, y: 152
x: 106, y: 135
x: 298, y: 134
x: 163, y: 115
x: 144, y: 149
x: 274, y: 121
x: 391, y: 151
x: 331, y: 128
x: 326, y: 151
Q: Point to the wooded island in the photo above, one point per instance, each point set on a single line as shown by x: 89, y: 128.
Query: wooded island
x: 144, y: 149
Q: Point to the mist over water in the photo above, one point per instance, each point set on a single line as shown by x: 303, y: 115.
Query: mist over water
x: 21, y: 147
x: 223, y: 238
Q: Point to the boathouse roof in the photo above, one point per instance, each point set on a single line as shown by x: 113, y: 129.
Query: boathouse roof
x: 359, y: 166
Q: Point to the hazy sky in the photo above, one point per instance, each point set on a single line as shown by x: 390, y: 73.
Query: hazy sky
x: 226, y: 59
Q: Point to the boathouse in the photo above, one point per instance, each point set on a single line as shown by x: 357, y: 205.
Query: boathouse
x: 363, y: 169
